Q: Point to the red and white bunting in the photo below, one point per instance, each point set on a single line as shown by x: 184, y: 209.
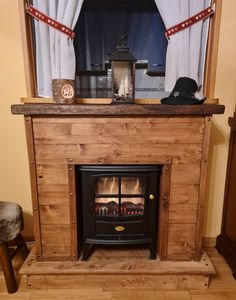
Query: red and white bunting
x: 31, y: 10
x: 189, y: 22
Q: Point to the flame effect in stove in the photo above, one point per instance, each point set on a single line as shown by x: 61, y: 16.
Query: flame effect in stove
x: 110, y: 205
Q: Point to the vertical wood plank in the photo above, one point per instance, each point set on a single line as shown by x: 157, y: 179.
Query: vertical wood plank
x: 34, y: 185
x: 164, y: 211
x: 28, y: 52
x: 73, y: 211
x: 202, y: 188
x: 212, y: 51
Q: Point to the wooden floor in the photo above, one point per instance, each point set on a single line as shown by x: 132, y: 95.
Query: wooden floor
x: 222, y: 287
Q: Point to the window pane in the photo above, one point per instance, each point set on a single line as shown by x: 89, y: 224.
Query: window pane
x: 132, y: 206
x: 132, y: 185
x: 107, y: 206
x: 107, y: 185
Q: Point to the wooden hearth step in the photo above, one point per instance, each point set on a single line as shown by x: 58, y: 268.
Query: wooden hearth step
x: 118, y: 269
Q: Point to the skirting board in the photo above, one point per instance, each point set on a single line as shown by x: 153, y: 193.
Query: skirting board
x: 118, y: 270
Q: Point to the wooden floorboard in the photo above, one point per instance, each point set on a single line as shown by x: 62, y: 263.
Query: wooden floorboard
x: 222, y: 287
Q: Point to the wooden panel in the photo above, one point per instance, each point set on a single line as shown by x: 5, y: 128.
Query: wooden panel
x: 116, y: 120
x: 125, y: 133
x: 34, y: 186
x: 56, y: 251
x: 184, y: 194
x: 114, y: 159
x: 121, y: 140
x: 164, y: 211
x: 28, y: 49
x: 58, y: 233
x: 54, y: 214
x: 185, y: 174
x: 108, y: 261
x: 182, y: 232
x: 202, y: 189
x: 136, y: 128
x: 53, y: 194
x: 45, y: 152
x: 52, y: 174
x: 181, y: 251
x: 105, y: 138
x: 73, y: 212
x: 119, y: 281
x: 181, y: 241
x: 56, y: 241
x: 117, y: 110
x: 212, y: 51
x: 183, y: 213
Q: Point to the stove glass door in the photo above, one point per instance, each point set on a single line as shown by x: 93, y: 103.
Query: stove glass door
x: 119, y: 196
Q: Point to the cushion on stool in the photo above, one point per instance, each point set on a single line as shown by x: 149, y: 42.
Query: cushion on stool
x: 11, y: 221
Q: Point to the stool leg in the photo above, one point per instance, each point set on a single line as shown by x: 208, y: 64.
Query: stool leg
x: 21, y: 245
x: 8, y: 269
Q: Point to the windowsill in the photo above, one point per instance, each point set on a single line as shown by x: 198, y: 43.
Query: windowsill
x: 35, y: 100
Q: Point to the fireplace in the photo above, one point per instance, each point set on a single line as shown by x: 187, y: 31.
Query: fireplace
x: 103, y: 144
x: 119, y: 205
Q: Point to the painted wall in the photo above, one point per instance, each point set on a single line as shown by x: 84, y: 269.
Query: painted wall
x: 14, y: 174
x: 226, y: 92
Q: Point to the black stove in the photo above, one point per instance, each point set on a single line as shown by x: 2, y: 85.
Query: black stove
x: 118, y: 205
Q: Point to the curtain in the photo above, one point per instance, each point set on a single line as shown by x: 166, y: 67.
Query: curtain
x: 186, y: 49
x: 55, y: 55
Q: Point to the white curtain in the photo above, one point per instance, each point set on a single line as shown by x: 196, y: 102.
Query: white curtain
x: 55, y: 55
x: 186, y: 49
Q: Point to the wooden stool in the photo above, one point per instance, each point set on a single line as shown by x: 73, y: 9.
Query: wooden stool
x: 11, y: 225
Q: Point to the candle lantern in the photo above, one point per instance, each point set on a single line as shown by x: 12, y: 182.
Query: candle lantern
x: 123, y: 76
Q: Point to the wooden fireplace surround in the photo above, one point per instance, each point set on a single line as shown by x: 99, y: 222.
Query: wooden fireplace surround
x: 59, y: 137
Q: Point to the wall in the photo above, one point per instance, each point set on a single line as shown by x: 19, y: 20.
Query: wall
x: 14, y: 175
x: 226, y: 92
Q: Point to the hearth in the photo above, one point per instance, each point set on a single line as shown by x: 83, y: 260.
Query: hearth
x: 119, y: 205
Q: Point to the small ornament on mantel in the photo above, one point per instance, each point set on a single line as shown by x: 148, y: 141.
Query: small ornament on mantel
x: 123, y: 75
x: 63, y: 91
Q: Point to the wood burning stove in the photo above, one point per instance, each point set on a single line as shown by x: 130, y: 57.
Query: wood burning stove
x: 119, y: 205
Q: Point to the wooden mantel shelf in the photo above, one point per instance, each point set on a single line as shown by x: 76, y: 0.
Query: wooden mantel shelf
x: 117, y: 109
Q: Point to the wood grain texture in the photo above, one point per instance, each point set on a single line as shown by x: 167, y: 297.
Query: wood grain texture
x: 202, y: 189
x: 34, y: 184
x: 108, y: 261
x: 221, y: 287
x: 168, y: 282
x: 174, y: 142
x: 212, y: 51
x: 117, y: 110
x: 73, y: 212
x: 163, y: 227
x: 28, y: 49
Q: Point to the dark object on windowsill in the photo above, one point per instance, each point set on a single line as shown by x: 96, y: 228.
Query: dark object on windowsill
x: 183, y: 93
x: 156, y: 70
x: 91, y: 73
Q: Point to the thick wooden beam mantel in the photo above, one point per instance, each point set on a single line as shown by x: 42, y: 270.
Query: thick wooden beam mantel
x: 117, y: 109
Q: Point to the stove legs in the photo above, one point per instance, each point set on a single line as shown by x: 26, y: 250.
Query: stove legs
x: 153, y: 250
x: 86, y: 251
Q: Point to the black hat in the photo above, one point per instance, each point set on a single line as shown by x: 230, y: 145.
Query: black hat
x: 183, y: 93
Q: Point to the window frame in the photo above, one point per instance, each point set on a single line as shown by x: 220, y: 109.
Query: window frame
x: 30, y: 62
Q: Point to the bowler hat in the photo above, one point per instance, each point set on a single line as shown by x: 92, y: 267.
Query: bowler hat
x: 183, y: 93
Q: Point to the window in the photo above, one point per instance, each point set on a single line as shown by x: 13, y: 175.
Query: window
x: 101, y: 26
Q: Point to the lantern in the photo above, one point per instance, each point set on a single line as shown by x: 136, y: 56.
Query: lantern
x: 123, y: 75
